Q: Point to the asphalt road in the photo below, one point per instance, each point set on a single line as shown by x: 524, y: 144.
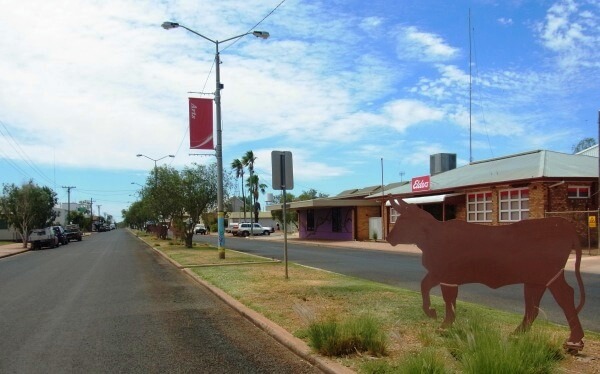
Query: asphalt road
x: 405, y: 270
x: 109, y: 304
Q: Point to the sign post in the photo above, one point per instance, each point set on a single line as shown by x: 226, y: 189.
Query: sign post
x: 283, y: 179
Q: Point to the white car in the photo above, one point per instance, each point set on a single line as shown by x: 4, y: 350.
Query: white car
x: 200, y: 229
x: 244, y: 229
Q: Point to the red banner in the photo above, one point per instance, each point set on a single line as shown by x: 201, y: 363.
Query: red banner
x: 201, y: 123
x: 421, y: 184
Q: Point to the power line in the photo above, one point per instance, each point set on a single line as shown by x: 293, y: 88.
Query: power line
x: 15, y: 145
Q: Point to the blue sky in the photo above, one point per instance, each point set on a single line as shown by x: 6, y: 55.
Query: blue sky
x: 342, y: 84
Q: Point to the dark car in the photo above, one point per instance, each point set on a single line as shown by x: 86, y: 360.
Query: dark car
x: 73, y: 233
x: 60, y: 234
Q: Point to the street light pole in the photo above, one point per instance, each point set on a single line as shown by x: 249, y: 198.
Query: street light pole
x: 155, y: 167
x: 219, y: 145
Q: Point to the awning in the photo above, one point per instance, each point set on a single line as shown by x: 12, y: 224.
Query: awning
x: 428, y: 199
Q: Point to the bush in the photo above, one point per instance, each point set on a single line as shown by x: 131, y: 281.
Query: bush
x: 363, y: 334
x: 425, y: 362
x: 480, y: 349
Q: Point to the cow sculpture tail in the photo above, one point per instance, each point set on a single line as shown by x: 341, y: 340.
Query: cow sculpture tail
x: 578, y: 274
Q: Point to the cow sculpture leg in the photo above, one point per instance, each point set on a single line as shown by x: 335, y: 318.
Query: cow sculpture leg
x: 449, y: 293
x: 426, y: 285
x: 565, y: 297
x: 533, y: 296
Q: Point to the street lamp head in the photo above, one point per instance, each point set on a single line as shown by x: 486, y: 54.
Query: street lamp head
x: 170, y: 25
x: 139, y: 155
x: 172, y: 156
x: 261, y: 34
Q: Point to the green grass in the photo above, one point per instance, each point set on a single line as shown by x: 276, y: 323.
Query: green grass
x: 355, y: 335
x: 483, y: 349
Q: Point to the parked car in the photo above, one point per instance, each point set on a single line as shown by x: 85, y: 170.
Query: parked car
x: 60, y: 234
x: 247, y: 228
x: 73, y: 233
x: 112, y: 226
x: 232, y: 227
x: 40, y: 238
x: 200, y: 229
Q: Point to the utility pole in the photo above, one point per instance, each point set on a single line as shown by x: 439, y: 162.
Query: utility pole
x: 69, y: 188
x: 91, y: 214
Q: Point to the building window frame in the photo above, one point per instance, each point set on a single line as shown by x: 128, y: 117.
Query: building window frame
x: 513, y: 204
x: 310, y: 220
x: 577, y: 191
x: 479, y: 206
x: 393, y: 215
x: 336, y: 220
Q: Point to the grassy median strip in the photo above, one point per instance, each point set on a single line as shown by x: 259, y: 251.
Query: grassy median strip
x: 327, y: 309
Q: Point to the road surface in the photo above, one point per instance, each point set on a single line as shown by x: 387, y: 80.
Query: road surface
x: 110, y: 304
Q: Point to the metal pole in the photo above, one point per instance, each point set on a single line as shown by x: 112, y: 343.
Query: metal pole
x: 383, y: 212
x: 285, y: 248
x: 219, y: 153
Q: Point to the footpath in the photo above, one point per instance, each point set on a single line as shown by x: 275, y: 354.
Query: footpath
x: 590, y: 261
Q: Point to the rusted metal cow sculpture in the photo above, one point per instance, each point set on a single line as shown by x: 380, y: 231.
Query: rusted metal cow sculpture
x: 533, y: 252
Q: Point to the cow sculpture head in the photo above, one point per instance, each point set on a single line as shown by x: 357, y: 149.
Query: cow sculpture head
x: 412, y: 223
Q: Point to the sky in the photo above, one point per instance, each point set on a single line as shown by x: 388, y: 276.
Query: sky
x: 357, y: 91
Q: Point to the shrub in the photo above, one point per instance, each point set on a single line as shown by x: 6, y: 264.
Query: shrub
x: 424, y: 362
x: 362, y: 334
x: 481, y: 349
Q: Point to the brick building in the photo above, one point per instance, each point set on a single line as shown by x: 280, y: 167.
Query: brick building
x: 508, y: 189
x: 497, y: 191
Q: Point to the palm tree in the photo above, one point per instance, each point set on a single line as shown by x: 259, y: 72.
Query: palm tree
x: 238, y: 166
x: 248, y: 161
x: 255, y: 186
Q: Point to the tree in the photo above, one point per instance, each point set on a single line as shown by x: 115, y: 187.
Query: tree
x: 138, y: 214
x: 163, y: 194
x: 310, y: 195
x: 238, y: 167
x: 291, y: 216
x: 255, y: 186
x: 28, y: 207
x: 199, y: 194
x: 248, y: 161
x: 79, y: 219
x: 584, y: 144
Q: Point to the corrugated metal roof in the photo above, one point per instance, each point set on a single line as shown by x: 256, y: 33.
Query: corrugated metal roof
x: 522, y: 166
x: 591, y: 151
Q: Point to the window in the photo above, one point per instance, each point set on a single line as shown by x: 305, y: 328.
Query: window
x: 479, y: 207
x: 393, y: 215
x: 336, y: 220
x: 578, y: 192
x: 3, y: 224
x: 310, y: 220
x: 514, y: 205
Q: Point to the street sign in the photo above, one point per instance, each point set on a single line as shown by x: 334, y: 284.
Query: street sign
x: 592, y: 221
x: 283, y: 170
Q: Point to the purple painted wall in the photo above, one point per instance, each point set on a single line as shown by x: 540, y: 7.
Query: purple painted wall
x: 323, y: 225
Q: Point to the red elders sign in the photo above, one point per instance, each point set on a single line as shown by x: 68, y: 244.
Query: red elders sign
x: 201, y: 123
x: 421, y: 183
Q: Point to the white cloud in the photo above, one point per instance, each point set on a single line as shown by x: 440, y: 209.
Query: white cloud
x: 403, y: 114
x: 570, y: 30
x: 370, y: 24
x: 414, y: 44
x: 505, y: 21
